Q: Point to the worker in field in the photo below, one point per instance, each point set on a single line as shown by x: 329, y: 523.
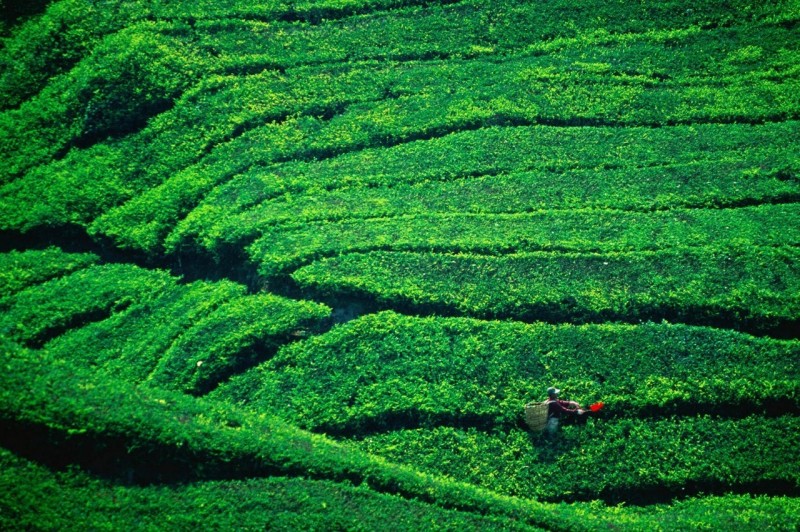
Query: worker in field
x: 545, y: 416
x: 558, y: 409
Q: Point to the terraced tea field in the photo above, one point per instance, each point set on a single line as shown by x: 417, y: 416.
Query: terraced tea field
x: 300, y: 265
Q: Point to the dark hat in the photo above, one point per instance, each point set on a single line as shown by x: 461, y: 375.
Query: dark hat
x: 553, y: 391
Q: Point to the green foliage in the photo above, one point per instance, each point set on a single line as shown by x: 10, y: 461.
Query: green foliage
x: 48, y: 45
x: 69, y: 30
x: 751, y: 286
x: 132, y: 75
x: 639, y: 458
x: 129, y: 344
x: 466, y: 29
x: 387, y: 371
x: 232, y: 215
x: 383, y: 373
x: 21, y: 269
x: 575, y: 162
x: 45, y: 310
x: 135, y: 323
x: 33, y: 496
x: 462, y: 155
x: 142, y: 72
x: 417, y: 100
x: 231, y: 337
x: 575, y: 230
x: 734, y: 511
x: 220, y: 439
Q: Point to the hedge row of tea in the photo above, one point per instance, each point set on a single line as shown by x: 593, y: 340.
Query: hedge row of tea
x: 167, y: 433
x: 569, y: 162
x: 627, y: 460
x: 310, y: 113
x: 145, y: 220
x: 601, y: 231
x: 235, y: 214
x: 386, y: 371
x: 142, y: 325
x: 445, y: 395
x: 747, y: 287
x: 295, y: 503
x: 39, y: 312
x: 416, y: 379
x: 71, y: 29
x: 243, y: 176
x: 138, y: 71
x: 278, y: 503
x: 751, y: 153
x: 19, y: 270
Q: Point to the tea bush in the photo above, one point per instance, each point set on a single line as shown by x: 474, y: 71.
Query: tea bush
x: 21, y: 269
x: 275, y: 502
x: 362, y: 125
x: 131, y: 76
x: 632, y: 459
x: 601, y: 161
x: 388, y: 371
x: 131, y: 344
x: 422, y: 104
x: 282, y: 502
x: 172, y: 431
x: 42, y: 311
x: 700, y: 285
x: 140, y: 324
x: 283, y: 249
x: 231, y: 337
x: 637, y: 170
x: 229, y: 217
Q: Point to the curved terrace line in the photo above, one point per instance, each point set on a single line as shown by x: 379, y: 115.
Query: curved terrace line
x: 432, y: 134
x: 187, y: 269
x: 114, y: 458
x: 545, y: 47
x: 410, y: 419
x: 372, y: 302
x: 498, y: 251
x: 501, y: 121
x: 717, y: 204
x: 321, y: 16
x: 334, y: 188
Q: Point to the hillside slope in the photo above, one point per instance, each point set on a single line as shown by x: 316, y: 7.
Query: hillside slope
x: 302, y: 264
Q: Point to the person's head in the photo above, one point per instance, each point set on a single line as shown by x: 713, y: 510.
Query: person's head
x: 552, y: 392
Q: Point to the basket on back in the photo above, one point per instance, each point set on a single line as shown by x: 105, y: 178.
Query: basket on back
x: 536, y: 416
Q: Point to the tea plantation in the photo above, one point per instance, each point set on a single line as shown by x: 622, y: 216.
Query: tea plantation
x: 301, y: 265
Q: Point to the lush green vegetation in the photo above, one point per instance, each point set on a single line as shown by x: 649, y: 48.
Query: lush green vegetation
x: 388, y: 368
x: 172, y: 433
x: 302, y: 264
x: 44, y: 310
x: 622, y: 460
x: 290, y: 503
x: 285, y: 503
x: 748, y: 287
x: 601, y: 231
x: 312, y: 112
x: 459, y: 382
x: 169, y: 433
x: 21, y: 270
x: 230, y: 217
x: 141, y: 325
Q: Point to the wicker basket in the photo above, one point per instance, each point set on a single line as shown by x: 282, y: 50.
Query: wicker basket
x: 536, y: 416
